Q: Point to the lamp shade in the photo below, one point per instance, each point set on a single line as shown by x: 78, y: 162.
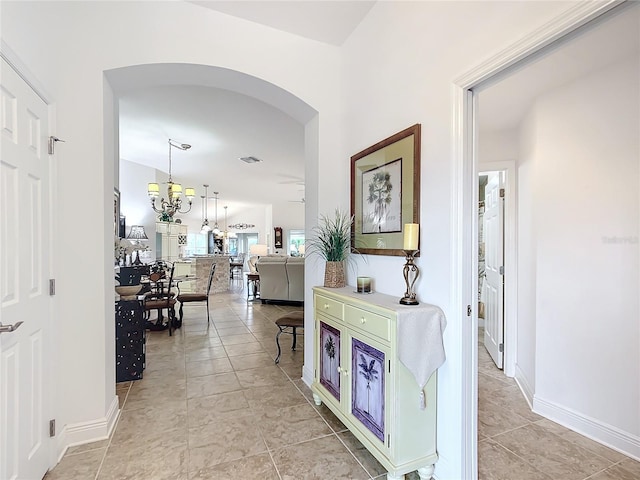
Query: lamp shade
x: 153, y: 190
x: 176, y: 190
x: 137, y: 233
x: 258, y: 249
x: 205, y: 227
x: 190, y: 193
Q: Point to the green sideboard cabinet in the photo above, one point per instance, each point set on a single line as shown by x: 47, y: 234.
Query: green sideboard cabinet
x: 358, y: 375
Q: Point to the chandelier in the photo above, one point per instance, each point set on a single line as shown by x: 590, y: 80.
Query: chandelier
x: 171, y: 206
x: 205, y: 222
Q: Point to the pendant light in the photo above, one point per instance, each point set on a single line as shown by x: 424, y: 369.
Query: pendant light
x: 216, y: 229
x: 205, y: 222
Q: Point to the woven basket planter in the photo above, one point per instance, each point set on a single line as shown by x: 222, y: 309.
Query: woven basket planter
x: 334, y: 275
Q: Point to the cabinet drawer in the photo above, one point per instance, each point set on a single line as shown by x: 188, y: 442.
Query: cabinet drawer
x: 327, y: 306
x: 368, y: 322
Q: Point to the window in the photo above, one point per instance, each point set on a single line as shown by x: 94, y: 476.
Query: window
x: 196, y: 244
x: 232, y: 244
x: 296, y: 240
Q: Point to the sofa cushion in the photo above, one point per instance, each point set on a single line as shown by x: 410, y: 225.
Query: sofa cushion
x: 295, y: 278
x: 273, y: 278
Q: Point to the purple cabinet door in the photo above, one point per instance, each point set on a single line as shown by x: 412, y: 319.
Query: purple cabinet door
x: 330, y: 359
x: 367, y: 384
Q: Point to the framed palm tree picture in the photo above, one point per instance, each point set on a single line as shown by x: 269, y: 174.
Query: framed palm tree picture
x: 367, y: 390
x: 382, y: 198
x: 330, y: 359
x: 385, y: 193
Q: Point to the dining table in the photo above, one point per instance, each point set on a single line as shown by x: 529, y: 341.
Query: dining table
x: 155, y: 287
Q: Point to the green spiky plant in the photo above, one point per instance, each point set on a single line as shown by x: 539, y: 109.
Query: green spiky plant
x: 331, y: 240
x: 332, y: 237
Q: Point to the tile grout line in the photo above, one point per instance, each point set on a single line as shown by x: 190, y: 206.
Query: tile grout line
x: 354, y: 456
x: 334, y: 432
x: 113, y: 432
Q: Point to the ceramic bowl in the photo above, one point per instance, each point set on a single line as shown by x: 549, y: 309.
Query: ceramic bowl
x: 128, y: 290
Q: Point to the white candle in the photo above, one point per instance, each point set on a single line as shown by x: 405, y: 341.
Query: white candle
x: 411, y: 236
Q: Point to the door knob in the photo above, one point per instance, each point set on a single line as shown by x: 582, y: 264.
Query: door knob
x: 9, y: 328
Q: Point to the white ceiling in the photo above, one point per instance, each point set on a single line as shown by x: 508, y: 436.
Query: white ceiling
x: 327, y: 21
x: 158, y: 103
x: 222, y: 125
x: 504, y: 102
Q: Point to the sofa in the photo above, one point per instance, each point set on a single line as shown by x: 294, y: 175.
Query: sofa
x: 281, y: 278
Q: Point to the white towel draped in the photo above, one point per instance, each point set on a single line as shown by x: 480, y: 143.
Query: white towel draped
x: 420, y: 346
x: 420, y: 330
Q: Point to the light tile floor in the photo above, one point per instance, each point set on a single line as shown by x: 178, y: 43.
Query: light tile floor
x: 516, y: 444
x: 213, y: 405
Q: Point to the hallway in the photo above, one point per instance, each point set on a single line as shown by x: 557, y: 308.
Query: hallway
x: 213, y: 405
x: 516, y: 444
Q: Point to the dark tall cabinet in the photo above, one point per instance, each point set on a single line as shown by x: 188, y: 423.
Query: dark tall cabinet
x: 130, y: 340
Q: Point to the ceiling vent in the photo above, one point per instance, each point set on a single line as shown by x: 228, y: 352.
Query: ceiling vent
x: 250, y: 159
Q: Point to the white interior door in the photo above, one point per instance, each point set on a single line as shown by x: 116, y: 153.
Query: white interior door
x: 25, y: 354
x: 494, y: 262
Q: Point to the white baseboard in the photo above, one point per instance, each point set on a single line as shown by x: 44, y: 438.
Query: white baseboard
x: 446, y: 469
x: 86, y: 432
x: 524, y: 386
x: 307, y: 375
x: 610, y: 436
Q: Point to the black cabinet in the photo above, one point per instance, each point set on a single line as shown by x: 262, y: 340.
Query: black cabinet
x: 130, y: 340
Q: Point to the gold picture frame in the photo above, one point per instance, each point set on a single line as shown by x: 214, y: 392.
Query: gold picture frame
x: 385, y: 193
x: 116, y: 212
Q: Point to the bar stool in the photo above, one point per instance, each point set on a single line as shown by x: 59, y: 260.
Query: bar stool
x: 292, y: 320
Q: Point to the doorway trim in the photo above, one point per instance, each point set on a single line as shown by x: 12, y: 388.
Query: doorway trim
x: 464, y: 226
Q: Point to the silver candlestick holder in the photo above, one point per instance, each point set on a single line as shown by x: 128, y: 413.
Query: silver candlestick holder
x: 410, y: 272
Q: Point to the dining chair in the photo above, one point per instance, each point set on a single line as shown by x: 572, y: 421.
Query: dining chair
x: 198, y: 297
x: 162, y: 297
x: 236, y: 265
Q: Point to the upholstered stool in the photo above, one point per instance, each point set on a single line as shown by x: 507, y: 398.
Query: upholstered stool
x: 292, y: 320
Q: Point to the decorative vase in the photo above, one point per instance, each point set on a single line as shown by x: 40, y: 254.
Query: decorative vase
x: 334, y: 275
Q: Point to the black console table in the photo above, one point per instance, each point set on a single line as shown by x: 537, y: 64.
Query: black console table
x: 130, y: 340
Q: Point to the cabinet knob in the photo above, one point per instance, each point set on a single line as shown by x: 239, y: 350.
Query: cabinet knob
x: 326, y: 306
x: 363, y: 320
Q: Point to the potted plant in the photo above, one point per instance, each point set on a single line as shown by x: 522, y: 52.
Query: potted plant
x: 332, y: 241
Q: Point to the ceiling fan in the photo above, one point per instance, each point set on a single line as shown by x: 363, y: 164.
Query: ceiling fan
x: 292, y: 180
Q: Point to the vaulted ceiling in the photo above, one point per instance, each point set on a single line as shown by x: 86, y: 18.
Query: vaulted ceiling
x: 222, y: 125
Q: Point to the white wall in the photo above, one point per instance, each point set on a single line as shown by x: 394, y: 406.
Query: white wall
x: 578, y: 279
x: 587, y: 159
x: 87, y: 43
x: 399, y: 67
x: 134, y: 201
x: 526, y: 258
x: 395, y: 70
x: 497, y: 146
